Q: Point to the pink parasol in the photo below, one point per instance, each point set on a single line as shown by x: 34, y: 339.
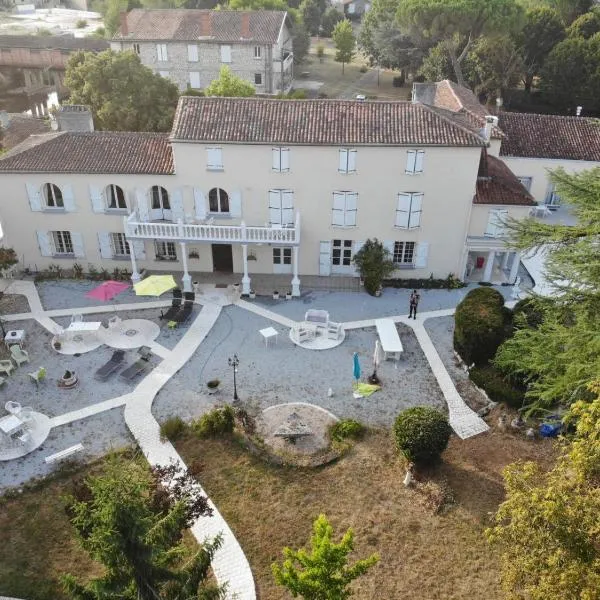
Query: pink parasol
x: 107, y: 290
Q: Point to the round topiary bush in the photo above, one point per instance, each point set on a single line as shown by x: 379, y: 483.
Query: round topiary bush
x: 481, y: 324
x: 421, y: 433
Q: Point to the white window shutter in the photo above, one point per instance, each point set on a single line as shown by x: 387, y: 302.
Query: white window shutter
x: 142, y: 205
x: 356, y: 246
x: 98, y: 205
x: 275, y: 207
x: 139, y: 249
x: 192, y: 53
x: 343, y: 168
x: 415, y: 211
x: 287, y: 205
x: 339, y: 207
x: 195, y: 80
x: 402, y: 211
x: 177, y: 210
x: 214, y: 158
x: 276, y: 159
x: 68, y: 198
x: 420, y: 155
x: 225, y: 54
x: 44, y: 243
x: 235, y: 204
x: 106, y: 250
x: 493, y: 224
x: 422, y: 254
x: 35, y: 196
x: 411, y: 159
x: 199, y: 204
x: 324, y: 258
x: 78, y: 247
x: 351, y: 206
x: 285, y: 160
x: 351, y: 161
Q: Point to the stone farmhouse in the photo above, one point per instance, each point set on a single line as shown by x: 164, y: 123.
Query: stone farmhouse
x: 190, y: 46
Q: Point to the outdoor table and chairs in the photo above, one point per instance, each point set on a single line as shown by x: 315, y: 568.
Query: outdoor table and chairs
x: 11, y: 424
x: 78, y: 328
x: 16, y: 336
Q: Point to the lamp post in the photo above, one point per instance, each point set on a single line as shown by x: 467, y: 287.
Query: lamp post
x: 234, y: 362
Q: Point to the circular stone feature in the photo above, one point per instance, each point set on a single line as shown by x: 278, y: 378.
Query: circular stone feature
x: 131, y: 332
x: 37, y: 426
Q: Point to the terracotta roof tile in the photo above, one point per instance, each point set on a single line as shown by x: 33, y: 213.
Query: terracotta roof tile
x: 91, y: 152
x: 334, y: 122
x: 550, y: 136
x: 60, y: 42
x: 19, y: 128
x: 189, y: 25
x: 497, y: 184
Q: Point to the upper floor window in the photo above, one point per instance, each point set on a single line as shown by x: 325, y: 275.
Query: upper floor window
x: 404, y: 253
x: 347, y: 161
x: 161, y: 52
x: 136, y: 49
x: 414, y: 161
x: 408, y: 211
x: 257, y: 51
x: 496, y: 220
x: 281, y: 207
x: 218, y: 201
x: 526, y: 182
x: 159, y: 198
x: 344, y: 209
x: 115, y: 197
x: 63, y: 242
x: 281, y: 160
x: 53, y: 196
x: 225, y: 54
x: 214, y: 159
x: 192, y: 53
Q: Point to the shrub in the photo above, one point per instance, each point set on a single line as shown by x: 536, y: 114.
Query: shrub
x: 498, y: 387
x: 172, y: 429
x: 320, y: 51
x: 481, y: 324
x: 218, y: 421
x: 421, y: 433
x: 374, y: 263
x: 450, y: 283
x: 398, y: 81
x: 81, y: 24
x: 531, y: 310
x: 347, y: 429
x: 364, y: 69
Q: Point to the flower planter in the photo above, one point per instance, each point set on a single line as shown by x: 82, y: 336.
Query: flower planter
x: 252, y: 295
x: 288, y: 296
x: 212, y: 386
x: 276, y: 295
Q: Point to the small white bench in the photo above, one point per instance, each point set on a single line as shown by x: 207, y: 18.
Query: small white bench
x: 317, y: 317
x: 64, y: 453
x: 389, y: 338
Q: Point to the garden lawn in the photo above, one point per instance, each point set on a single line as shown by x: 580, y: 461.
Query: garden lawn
x: 423, y: 556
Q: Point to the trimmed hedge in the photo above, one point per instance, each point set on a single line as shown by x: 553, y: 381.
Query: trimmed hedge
x: 481, y: 324
x: 498, y: 386
x: 219, y: 421
x: 450, y: 283
x: 421, y: 433
x: 346, y: 429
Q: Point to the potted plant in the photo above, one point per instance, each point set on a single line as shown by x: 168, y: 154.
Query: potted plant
x: 57, y: 345
x: 375, y: 264
x: 213, y: 386
x: 252, y: 295
x: 275, y: 295
x: 288, y: 295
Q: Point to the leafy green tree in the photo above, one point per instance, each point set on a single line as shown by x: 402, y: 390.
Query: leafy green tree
x: 396, y: 50
x: 122, y: 94
x: 547, y: 528
x: 331, y: 17
x: 457, y: 23
x: 437, y: 64
x: 374, y: 264
x: 586, y: 25
x: 344, y: 41
x: 300, y: 42
x: 229, y: 85
x: 131, y: 520
x: 561, y: 356
x: 311, y: 15
x: 257, y: 5
x: 381, y: 12
x: 322, y: 573
x: 569, y: 10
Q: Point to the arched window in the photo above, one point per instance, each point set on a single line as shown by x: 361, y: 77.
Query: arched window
x: 53, y: 196
x: 160, y: 198
x: 218, y: 201
x: 115, y: 197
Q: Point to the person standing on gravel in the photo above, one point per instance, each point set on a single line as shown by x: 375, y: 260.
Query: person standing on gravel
x: 413, y: 304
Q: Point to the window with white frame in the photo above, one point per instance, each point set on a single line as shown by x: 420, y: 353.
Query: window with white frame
x: 281, y: 207
x: 214, y: 159
x: 195, y: 80
x: 53, y: 196
x: 344, y: 209
x: 119, y: 244
x: 115, y: 197
x: 404, y: 253
x: 414, y: 161
x: 165, y: 250
x: 161, y: 53
x: 136, y: 49
x: 218, y: 201
x: 192, y: 53
x: 257, y: 51
x: 341, y: 253
x: 496, y: 220
x: 526, y: 182
x: 63, y: 242
x: 281, y: 160
x: 408, y: 210
x: 347, y: 161
x: 225, y: 54
x: 552, y: 196
x: 257, y: 78
x: 282, y: 256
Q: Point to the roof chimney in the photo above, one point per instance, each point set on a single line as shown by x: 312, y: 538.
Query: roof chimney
x: 205, y: 24
x: 490, y: 123
x: 74, y: 117
x: 123, y: 23
x: 245, y: 26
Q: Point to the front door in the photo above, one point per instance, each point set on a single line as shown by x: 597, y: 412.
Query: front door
x: 222, y: 258
x: 160, y: 207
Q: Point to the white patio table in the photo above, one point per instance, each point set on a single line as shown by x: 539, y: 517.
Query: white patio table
x: 10, y: 424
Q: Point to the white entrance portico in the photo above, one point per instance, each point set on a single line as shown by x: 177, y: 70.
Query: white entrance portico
x: 242, y: 234
x: 490, y: 260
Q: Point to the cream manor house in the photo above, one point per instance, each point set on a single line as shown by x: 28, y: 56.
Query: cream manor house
x: 250, y: 185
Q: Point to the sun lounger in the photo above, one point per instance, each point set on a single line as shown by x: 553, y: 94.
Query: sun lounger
x: 173, y: 310
x: 106, y: 370
x: 139, y: 366
x: 186, y: 310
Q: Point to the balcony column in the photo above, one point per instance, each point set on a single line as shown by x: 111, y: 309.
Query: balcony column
x: 489, y: 265
x: 505, y: 260
x: 187, y: 278
x: 295, y: 280
x: 514, y: 269
x: 135, y: 274
x: 245, y: 278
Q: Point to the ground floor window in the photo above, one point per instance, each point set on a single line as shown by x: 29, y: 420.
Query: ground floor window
x: 165, y: 250
x: 120, y: 247
x: 282, y: 256
x: 341, y: 254
x: 404, y: 253
x: 63, y: 244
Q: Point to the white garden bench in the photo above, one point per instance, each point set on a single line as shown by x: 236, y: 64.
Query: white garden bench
x: 317, y: 317
x: 389, y: 338
x: 64, y: 453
